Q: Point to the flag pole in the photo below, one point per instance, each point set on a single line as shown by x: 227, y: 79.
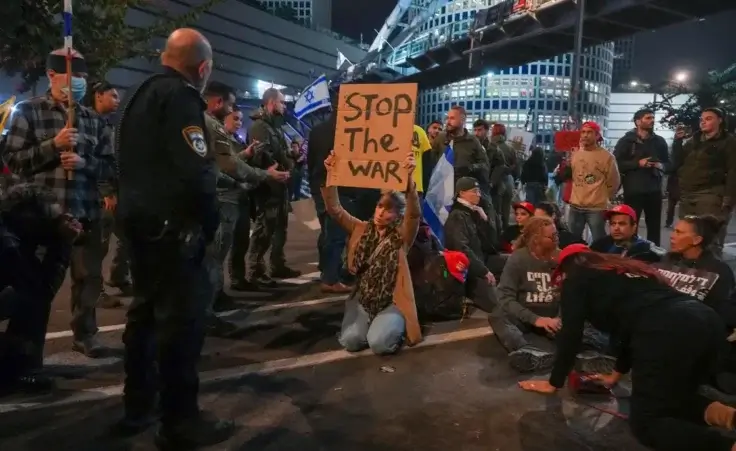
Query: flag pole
x: 67, y: 15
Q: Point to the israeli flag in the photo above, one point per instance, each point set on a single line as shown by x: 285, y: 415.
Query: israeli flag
x: 439, y: 196
x: 314, y: 97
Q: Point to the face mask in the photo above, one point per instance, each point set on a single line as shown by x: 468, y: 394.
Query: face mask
x: 79, y: 88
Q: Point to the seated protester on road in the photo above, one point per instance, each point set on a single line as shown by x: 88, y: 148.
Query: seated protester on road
x: 690, y: 248
x: 30, y: 217
x: 381, y: 309
x: 464, y: 232
x: 522, y: 212
x: 526, y: 302
x: 623, y: 239
x: 551, y: 211
x: 669, y: 341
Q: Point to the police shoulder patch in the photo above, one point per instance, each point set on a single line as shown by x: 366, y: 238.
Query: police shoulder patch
x: 194, y: 137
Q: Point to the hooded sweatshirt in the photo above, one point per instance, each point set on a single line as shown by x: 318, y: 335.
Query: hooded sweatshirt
x: 629, y: 150
x: 525, y: 290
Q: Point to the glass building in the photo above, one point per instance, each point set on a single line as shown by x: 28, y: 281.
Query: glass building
x: 532, y: 97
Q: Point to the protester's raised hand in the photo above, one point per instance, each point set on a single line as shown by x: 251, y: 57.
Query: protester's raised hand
x: 330, y: 161
x: 410, y: 163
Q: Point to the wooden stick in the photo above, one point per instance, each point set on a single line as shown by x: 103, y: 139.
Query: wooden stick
x: 70, y: 102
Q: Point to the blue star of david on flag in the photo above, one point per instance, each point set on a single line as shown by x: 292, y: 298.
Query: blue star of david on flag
x: 313, y: 97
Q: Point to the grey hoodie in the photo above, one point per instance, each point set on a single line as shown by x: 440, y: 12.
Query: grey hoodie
x: 525, y: 290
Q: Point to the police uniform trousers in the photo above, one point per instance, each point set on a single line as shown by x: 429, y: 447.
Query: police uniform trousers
x: 165, y: 327
x: 241, y: 239
x: 120, y: 268
x: 86, y: 274
x: 271, y: 222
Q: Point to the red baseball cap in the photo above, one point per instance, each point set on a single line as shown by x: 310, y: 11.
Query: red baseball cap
x: 621, y: 209
x: 528, y: 206
x: 457, y: 264
x: 564, y: 253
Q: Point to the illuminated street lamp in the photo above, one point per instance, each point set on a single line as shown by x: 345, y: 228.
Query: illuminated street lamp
x: 681, y: 77
x: 633, y: 83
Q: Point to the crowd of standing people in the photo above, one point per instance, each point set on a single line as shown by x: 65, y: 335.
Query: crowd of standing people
x: 178, y: 187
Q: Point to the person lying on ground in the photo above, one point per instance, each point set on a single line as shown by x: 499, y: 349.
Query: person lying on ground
x: 669, y: 340
x: 381, y: 310
x: 623, y: 238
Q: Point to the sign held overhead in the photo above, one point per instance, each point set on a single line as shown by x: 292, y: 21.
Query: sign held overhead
x: 374, y: 130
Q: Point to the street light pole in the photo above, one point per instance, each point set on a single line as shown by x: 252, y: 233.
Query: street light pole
x: 572, y: 107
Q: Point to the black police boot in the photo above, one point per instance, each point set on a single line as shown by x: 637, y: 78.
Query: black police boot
x: 205, y: 430
x: 218, y: 327
x: 244, y: 285
x: 284, y: 272
x: 106, y: 301
x: 139, y: 416
x: 31, y: 382
x: 224, y: 302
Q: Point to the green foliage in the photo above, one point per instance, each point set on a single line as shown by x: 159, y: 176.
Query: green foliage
x: 32, y: 28
x: 717, y: 90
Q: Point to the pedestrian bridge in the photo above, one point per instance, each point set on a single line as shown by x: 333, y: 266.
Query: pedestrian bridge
x: 512, y: 33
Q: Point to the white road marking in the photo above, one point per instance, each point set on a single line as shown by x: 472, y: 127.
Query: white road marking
x: 264, y: 308
x: 270, y: 367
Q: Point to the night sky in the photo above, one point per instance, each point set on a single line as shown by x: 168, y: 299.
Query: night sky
x: 695, y: 46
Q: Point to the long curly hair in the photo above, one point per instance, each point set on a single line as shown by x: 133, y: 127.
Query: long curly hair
x: 613, y: 262
x: 531, y: 232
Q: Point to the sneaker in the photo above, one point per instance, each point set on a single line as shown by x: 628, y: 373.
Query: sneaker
x: 108, y: 302
x: 284, y: 272
x: 32, y: 382
x: 89, y: 346
x: 126, y: 288
x: 592, y: 362
x: 263, y: 281
x: 205, y: 430
x: 530, y: 359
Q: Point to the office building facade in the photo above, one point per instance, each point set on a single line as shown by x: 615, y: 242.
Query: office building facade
x: 623, y: 61
x: 533, y: 96
x: 622, y: 107
x: 316, y: 13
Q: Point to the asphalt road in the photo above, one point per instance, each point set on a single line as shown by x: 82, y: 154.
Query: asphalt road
x: 287, y: 384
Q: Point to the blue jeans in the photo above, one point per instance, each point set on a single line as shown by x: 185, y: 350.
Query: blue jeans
x: 535, y: 193
x: 383, y: 335
x: 335, y: 239
x: 593, y: 218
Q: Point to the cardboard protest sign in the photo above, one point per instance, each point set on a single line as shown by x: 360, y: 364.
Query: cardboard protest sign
x: 693, y: 282
x: 373, y: 135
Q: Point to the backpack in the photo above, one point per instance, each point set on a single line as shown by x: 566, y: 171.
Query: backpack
x: 438, y: 295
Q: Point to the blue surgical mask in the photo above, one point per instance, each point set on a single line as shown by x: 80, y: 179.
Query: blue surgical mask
x: 79, y: 88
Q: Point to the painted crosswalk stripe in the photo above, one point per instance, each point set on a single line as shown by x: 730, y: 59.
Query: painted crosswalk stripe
x: 269, y: 367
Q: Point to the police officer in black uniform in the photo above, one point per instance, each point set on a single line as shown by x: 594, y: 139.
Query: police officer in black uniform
x: 168, y: 208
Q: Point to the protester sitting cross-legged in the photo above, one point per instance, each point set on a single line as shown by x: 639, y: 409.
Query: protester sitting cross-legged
x: 528, y: 305
x: 526, y: 302
x: 623, y: 238
x: 522, y: 212
x: 465, y: 231
x: 669, y: 340
x: 30, y: 217
x: 551, y: 211
x: 381, y: 309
